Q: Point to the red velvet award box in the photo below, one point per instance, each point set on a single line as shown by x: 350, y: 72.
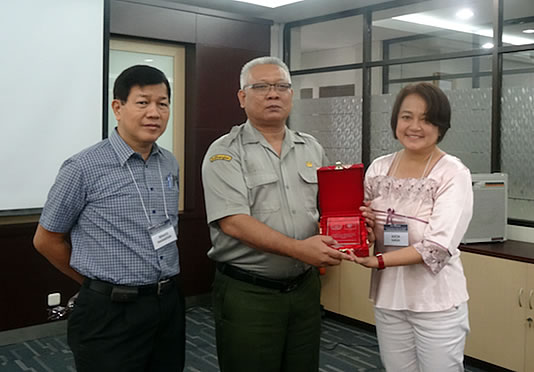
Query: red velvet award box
x: 340, y: 197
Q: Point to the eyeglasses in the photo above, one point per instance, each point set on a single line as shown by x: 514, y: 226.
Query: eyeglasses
x: 263, y: 88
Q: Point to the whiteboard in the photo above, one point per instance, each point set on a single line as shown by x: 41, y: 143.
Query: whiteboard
x: 51, y: 92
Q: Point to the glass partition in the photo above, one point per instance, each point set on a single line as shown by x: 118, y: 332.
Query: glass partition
x: 449, y: 74
x: 432, y: 27
x: 446, y: 43
x: 331, y: 43
x: 327, y: 84
x: 517, y: 118
x: 382, y: 140
x: 336, y: 121
x: 469, y: 137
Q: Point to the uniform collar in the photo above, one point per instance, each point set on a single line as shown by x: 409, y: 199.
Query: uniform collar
x: 123, y: 150
x: 252, y: 135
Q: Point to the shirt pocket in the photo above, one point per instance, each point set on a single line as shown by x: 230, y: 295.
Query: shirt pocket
x: 263, y: 190
x: 308, y: 179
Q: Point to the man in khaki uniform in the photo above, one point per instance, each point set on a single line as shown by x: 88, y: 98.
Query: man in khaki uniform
x: 260, y: 185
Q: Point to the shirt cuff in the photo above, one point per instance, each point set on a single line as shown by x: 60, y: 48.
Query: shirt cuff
x: 434, y: 255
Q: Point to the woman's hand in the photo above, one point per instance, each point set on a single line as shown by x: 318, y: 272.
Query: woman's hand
x: 370, y: 262
x: 369, y: 216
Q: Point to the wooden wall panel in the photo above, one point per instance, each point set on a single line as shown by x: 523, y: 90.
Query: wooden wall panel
x: 232, y: 33
x: 197, y: 270
x: 26, y: 279
x: 212, y: 112
x: 152, y: 22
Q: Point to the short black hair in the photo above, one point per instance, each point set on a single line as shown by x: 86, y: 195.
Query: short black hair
x: 138, y: 75
x: 438, y: 108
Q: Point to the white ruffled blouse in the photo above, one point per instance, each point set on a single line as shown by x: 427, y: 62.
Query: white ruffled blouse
x: 437, y: 210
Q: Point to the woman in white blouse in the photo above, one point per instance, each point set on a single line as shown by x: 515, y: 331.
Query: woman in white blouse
x: 422, y: 199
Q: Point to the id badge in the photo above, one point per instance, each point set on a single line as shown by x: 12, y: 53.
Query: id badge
x: 396, y: 235
x: 162, y: 234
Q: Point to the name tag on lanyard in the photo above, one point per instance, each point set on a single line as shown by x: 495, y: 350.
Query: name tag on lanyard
x: 396, y: 235
x: 162, y: 234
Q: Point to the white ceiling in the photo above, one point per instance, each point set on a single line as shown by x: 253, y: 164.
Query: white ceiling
x: 284, y: 14
x: 347, y: 31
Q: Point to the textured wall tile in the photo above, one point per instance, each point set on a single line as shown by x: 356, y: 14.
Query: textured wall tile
x: 517, y: 155
x: 335, y: 122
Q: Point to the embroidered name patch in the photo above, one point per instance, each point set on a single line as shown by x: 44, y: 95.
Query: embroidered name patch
x: 220, y: 157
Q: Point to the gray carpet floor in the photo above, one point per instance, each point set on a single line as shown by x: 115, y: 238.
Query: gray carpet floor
x: 344, y: 348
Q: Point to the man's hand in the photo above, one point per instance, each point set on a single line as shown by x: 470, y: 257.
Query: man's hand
x: 316, y: 251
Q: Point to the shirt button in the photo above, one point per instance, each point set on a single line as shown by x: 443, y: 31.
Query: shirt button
x: 146, y: 166
x: 161, y: 257
x: 154, y: 211
x: 294, y: 211
x: 151, y: 189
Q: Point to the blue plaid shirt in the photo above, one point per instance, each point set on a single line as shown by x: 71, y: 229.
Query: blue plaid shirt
x: 95, y: 198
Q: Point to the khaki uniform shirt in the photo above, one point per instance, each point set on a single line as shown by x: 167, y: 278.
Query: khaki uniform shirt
x: 242, y: 174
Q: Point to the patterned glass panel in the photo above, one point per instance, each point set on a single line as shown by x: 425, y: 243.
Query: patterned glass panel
x: 382, y: 141
x: 469, y: 136
x: 335, y: 122
x: 517, y: 154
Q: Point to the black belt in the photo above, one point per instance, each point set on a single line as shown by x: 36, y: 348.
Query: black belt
x: 125, y: 293
x: 282, y: 285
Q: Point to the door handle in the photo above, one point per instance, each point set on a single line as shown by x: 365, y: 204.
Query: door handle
x: 521, y: 290
x: 530, y: 299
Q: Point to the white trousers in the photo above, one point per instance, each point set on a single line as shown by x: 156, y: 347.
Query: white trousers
x: 422, y: 342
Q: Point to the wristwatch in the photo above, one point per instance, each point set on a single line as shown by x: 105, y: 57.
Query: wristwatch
x: 380, y: 259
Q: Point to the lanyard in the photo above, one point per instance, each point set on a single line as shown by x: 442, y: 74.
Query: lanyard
x: 391, y: 211
x: 400, y: 157
x: 139, y: 191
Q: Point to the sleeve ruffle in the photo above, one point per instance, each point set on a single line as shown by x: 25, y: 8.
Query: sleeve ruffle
x: 434, y: 255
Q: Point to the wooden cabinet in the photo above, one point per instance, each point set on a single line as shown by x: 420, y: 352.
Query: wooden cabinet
x: 529, y: 304
x: 501, y: 306
x: 354, y: 292
x: 501, y: 296
x: 330, y: 288
x: 345, y: 291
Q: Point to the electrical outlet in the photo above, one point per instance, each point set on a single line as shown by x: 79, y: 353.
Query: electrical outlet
x: 54, y: 299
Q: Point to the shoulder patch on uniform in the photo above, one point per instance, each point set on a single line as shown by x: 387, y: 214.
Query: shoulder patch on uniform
x: 220, y: 157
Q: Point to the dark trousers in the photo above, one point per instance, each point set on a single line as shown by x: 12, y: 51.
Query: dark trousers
x: 265, y: 330
x: 145, y: 334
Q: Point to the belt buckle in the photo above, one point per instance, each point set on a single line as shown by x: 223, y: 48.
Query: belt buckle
x: 161, y: 284
x: 290, y: 287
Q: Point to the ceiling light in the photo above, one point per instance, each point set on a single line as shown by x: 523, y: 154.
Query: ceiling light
x: 270, y: 3
x: 464, y: 13
x: 529, y: 31
x: 487, y: 45
x: 149, y: 60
